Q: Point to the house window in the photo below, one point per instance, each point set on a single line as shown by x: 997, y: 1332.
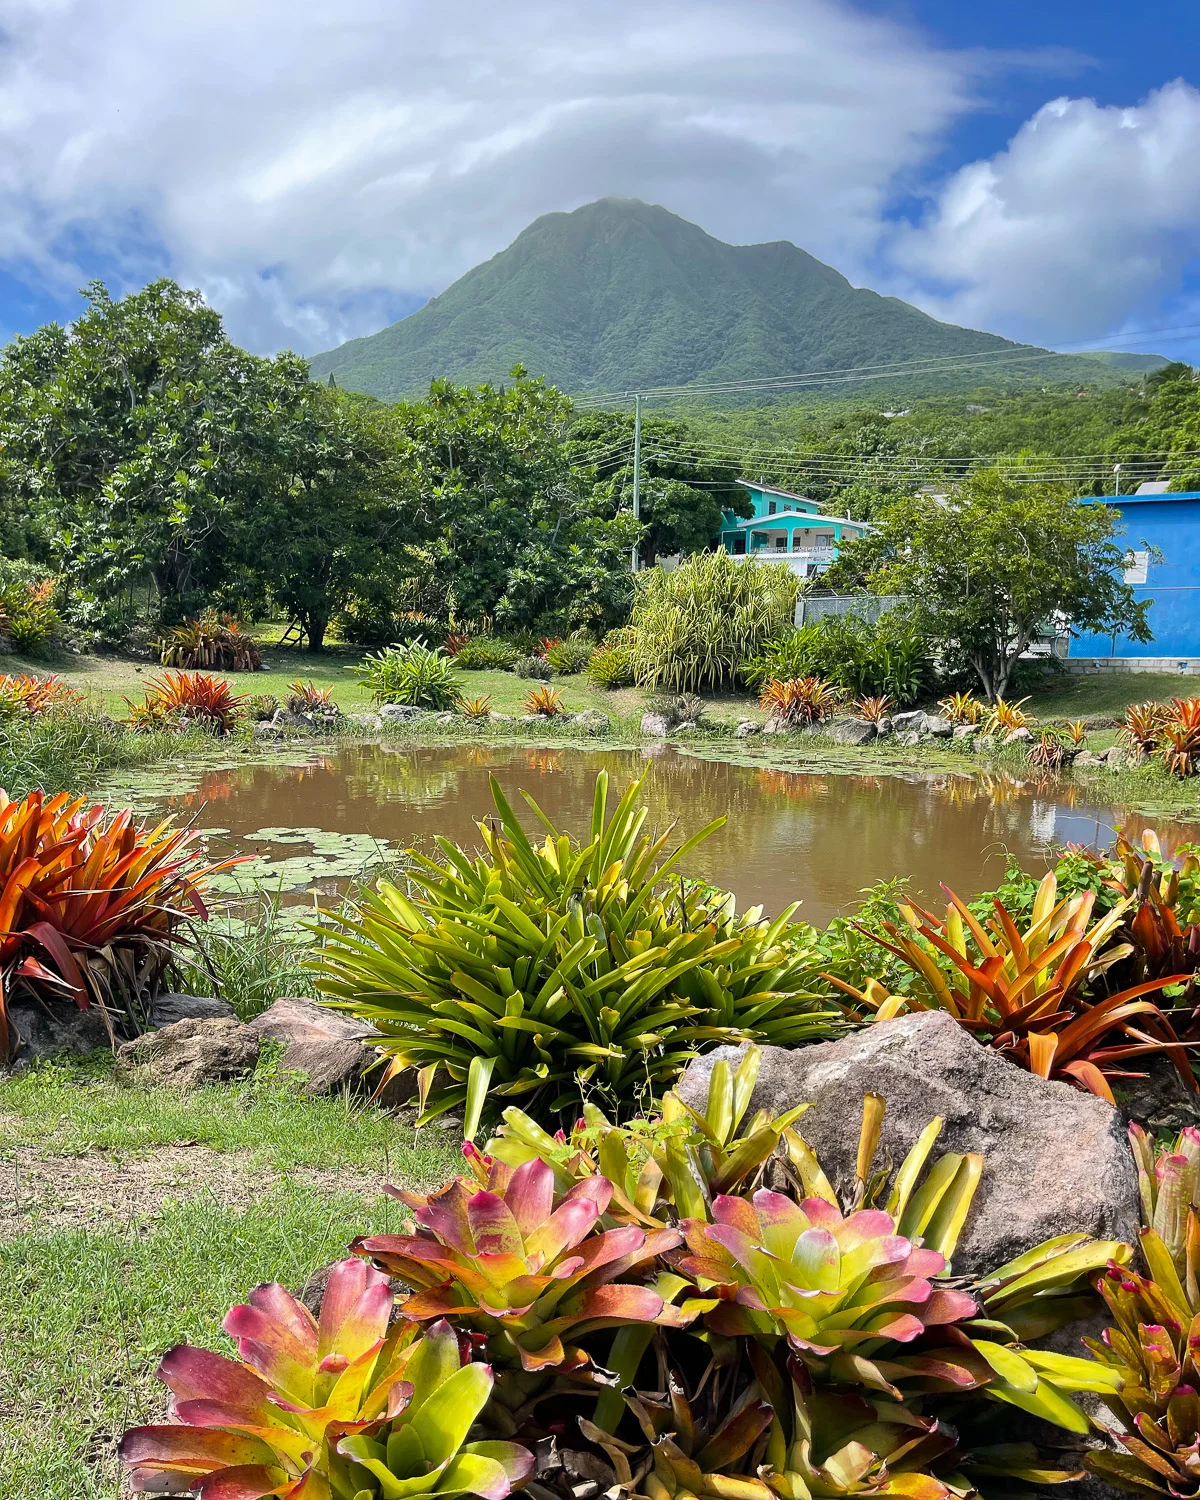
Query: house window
x: 739, y: 546
x: 771, y: 507
x: 781, y: 542
x: 1137, y: 565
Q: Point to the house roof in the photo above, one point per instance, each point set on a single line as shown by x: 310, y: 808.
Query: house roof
x: 766, y: 489
x: 1124, y: 500
x: 793, y: 518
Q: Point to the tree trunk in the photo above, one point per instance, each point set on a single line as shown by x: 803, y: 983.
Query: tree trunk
x: 315, y: 627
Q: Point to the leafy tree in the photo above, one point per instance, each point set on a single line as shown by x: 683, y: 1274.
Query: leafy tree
x: 520, y: 537
x: 988, y: 570
x: 683, y: 493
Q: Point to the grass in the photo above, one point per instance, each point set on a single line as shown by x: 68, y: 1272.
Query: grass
x: 249, y: 960
x: 88, y: 1312
x: 1075, y: 697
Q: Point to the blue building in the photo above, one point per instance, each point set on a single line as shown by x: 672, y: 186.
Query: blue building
x: 789, y: 529
x: 1156, y: 525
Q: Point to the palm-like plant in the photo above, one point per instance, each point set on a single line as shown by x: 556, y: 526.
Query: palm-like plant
x: 545, y: 702
x: 24, y: 694
x: 1179, y: 740
x: 963, y: 708
x: 410, y: 673
x: 532, y: 970
x: 872, y: 710
x: 1142, y: 725
x: 1004, y: 717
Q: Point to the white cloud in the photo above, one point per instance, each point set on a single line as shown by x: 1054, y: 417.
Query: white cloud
x: 1084, y: 224
x: 308, y: 164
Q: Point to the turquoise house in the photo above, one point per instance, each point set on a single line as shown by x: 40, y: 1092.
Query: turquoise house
x: 791, y: 530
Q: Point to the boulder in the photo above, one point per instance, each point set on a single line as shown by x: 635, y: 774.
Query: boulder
x: 498, y: 718
x: 884, y: 727
x: 965, y: 731
x: 42, y: 1031
x: 747, y: 728
x: 656, y: 726
x: 1020, y: 736
x: 445, y: 720
x: 688, y: 726
x: 907, y: 722
x: 1056, y: 1160
x: 399, y: 713
x: 939, y: 728
x: 325, y: 1045
x: 365, y: 721
x: 168, y: 1009
x: 593, y: 721
x: 909, y: 738
x: 1085, y: 760
x: 850, y: 731
x: 190, y: 1053
x: 265, y: 730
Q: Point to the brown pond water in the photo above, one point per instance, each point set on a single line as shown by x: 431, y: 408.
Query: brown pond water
x: 790, y: 835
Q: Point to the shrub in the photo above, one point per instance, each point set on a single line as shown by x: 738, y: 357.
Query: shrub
x: 94, y: 907
x: 29, y: 618
x: 260, y: 707
x: 874, y: 710
x: 1142, y: 725
x: 697, y: 626
x: 476, y: 708
x: 679, y: 708
x: 569, y: 657
x: 890, y: 658
x: 212, y: 640
x: 805, y: 701
x: 30, y: 696
x: 1180, y: 737
x: 484, y: 653
x: 544, y: 702
x: 1050, y: 750
x: 610, y: 667
x: 1026, y: 994
x: 410, y: 674
x: 179, y: 698
x: 616, y: 973
x: 536, y: 667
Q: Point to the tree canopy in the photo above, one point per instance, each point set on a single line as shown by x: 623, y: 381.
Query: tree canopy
x: 986, y: 571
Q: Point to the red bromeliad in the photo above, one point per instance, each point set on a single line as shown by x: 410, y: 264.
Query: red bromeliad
x: 523, y: 1266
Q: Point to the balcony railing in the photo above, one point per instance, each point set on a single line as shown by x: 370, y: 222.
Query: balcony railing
x: 801, y: 554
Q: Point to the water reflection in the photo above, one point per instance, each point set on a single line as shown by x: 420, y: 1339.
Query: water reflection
x: 790, y: 835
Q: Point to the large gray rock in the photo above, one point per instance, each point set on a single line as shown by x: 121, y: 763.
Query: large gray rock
x: 399, y: 713
x: 939, y: 728
x: 656, y: 726
x: 1056, y: 1160
x: 907, y: 723
x: 334, y: 1050
x: 41, y: 1031
x: 850, y: 731
x: 593, y: 721
x: 747, y: 728
x: 191, y: 1053
x: 168, y: 1009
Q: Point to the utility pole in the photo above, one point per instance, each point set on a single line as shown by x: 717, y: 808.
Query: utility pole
x: 637, y: 472
x: 1117, y: 472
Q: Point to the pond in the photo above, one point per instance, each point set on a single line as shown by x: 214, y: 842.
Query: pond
x: 315, y: 821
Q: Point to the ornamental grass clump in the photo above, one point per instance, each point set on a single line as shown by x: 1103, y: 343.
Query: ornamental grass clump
x: 531, y: 971
x: 92, y: 908
x: 610, y: 667
x: 695, y: 627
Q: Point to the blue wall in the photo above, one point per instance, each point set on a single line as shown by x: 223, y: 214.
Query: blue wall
x: 1172, y: 524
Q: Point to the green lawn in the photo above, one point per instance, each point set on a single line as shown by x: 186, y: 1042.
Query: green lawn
x: 103, y: 1273
x: 1074, y: 697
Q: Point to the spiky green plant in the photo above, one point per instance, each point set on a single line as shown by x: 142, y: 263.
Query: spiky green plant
x: 695, y: 627
x: 410, y: 674
x: 533, y: 971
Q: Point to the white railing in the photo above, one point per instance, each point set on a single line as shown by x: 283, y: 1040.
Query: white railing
x: 801, y: 554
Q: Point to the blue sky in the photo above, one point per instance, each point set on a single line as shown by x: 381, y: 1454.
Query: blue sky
x: 320, y: 170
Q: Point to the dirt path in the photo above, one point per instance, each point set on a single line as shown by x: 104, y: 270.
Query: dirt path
x: 43, y: 1194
